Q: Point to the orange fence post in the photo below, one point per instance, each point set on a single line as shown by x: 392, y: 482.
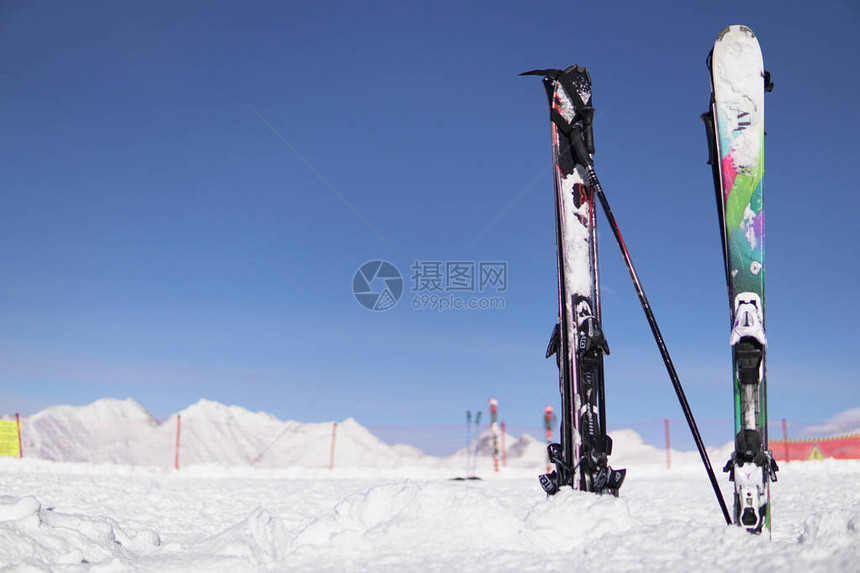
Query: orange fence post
x: 20, y: 448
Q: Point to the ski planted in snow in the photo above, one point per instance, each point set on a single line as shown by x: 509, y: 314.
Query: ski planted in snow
x: 581, y: 457
x: 471, y: 450
x: 735, y: 130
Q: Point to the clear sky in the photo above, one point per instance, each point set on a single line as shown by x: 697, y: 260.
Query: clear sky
x: 186, y: 193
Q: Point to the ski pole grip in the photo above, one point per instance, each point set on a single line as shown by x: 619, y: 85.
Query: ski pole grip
x: 579, y: 147
x: 587, y: 114
x: 708, y: 118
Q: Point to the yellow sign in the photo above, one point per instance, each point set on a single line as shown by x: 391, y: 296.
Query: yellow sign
x: 815, y: 453
x: 9, y: 445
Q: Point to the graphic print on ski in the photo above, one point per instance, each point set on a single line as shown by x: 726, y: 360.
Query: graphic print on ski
x: 735, y: 128
x: 577, y: 340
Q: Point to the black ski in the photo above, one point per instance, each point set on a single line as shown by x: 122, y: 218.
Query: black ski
x: 578, y: 343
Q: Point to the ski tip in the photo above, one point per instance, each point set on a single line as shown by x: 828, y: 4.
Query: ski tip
x: 735, y: 28
x: 747, y: 31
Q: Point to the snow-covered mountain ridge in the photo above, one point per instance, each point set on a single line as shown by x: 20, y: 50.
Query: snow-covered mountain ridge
x: 123, y: 432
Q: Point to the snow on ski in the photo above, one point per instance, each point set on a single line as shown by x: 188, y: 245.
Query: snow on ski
x: 577, y: 340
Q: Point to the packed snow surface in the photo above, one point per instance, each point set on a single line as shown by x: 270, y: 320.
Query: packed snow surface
x: 409, y: 516
x: 63, y: 516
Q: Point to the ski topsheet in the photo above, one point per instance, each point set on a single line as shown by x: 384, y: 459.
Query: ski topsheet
x: 577, y: 340
x: 735, y: 124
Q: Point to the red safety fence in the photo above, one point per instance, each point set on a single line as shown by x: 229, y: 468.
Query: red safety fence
x: 840, y: 448
x: 272, y: 443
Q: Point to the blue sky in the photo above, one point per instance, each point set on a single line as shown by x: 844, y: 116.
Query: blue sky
x: 187, y: 191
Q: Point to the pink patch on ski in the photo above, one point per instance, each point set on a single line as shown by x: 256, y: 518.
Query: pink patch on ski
x: 729, y: 174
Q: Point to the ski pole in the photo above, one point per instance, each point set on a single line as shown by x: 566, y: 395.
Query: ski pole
x: 477, y: 442
x: 468, y: 442
x: 714, y: 162
x: 585, y: 159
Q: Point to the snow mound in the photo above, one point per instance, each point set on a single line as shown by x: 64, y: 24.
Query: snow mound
x: 402, y: 514
x: 837, y: 527
x: 829, y: 526
x: 261, y: 540
x: 31, y: 533
x: 572, y: 518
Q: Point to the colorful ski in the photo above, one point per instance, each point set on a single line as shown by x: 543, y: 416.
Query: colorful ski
x: 577, y: 340
x: 735, y: 125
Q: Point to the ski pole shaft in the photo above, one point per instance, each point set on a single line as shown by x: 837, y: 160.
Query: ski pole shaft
x: 714, y: 162
x: 601, y: 386
x: 658, y: 338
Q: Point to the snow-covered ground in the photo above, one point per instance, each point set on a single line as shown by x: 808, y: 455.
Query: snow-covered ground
x: 62, y: 516
x: 405, y: 514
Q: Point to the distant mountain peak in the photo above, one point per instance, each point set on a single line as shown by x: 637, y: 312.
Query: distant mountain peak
x: 104, y: 409
x: 122, y: 431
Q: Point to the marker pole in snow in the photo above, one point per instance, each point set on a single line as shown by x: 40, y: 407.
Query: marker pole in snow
x: 475, y: 450
x: 548, y: 420
x: 494, y: 429
x: 468, y: 442
x: 504, y: 449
